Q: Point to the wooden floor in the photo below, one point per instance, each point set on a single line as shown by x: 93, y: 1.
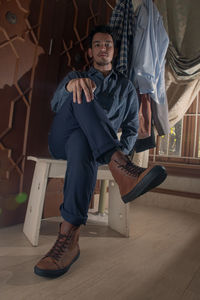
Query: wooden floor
x: 160, y: 261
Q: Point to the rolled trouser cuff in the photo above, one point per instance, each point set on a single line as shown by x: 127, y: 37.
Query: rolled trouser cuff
x: 72, y: 219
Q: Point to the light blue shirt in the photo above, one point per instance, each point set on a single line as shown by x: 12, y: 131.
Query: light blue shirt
x: 149, y: 49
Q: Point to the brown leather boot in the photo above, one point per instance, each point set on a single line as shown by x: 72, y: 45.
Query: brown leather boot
x: 61, y: 256
x: 133, y: 181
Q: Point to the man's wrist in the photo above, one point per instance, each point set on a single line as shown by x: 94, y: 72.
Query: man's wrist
x: 67, y: 86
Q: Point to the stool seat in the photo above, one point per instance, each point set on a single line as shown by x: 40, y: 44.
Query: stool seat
x: 118, y: 212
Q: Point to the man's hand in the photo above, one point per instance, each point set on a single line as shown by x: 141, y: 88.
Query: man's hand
x: 81, y: 84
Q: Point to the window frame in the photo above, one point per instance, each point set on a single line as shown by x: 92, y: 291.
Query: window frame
x: 183, y: 164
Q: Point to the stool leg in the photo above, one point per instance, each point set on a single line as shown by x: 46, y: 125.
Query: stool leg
x: 118, y: 213
x: 102, y: 197
x: 36, y: 201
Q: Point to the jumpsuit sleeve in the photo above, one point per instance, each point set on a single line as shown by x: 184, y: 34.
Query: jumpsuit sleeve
x: 61, y: 94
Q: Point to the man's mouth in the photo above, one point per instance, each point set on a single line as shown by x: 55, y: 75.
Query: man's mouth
x: 103, y: 54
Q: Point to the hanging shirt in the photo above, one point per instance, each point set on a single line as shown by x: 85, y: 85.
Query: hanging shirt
x: 149, y: 50
x: 122, y: 24
x: 115, y: 94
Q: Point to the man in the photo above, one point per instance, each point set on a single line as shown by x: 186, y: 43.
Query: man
x: 90, y: 108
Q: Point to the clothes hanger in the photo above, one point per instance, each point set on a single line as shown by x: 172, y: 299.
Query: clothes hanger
x: 109, y: 4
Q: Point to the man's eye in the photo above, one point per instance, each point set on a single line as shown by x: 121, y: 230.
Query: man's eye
x: 97, y: 45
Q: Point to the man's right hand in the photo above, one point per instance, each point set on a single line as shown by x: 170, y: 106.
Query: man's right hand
x: 78, y: 85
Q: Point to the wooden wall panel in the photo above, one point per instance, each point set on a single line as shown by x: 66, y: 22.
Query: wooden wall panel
x: 19, y: 52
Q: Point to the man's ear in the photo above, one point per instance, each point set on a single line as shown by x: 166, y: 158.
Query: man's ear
x: 90, y: 52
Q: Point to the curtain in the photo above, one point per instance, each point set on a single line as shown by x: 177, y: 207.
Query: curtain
x: 180, y: 94
x: 182, y: 22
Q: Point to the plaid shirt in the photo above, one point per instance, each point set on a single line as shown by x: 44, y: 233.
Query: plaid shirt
x: 121, y: 23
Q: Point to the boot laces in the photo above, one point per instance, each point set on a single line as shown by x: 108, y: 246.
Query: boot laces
x: 130, y: 168
x: 62, y: 242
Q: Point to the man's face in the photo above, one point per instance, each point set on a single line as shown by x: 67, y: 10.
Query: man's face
x: 102, y: 50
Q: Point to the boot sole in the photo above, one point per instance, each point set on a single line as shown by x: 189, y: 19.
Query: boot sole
x: 152, y: 179
x: 54, y: 273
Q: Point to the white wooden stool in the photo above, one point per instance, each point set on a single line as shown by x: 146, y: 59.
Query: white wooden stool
x: 118, y: 212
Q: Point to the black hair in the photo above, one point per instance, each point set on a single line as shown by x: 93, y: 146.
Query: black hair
x: 99, y: 29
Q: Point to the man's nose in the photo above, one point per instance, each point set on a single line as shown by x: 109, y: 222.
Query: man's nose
x: 103, y: 47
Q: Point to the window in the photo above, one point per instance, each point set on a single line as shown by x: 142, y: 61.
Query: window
x: 182, y: 144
